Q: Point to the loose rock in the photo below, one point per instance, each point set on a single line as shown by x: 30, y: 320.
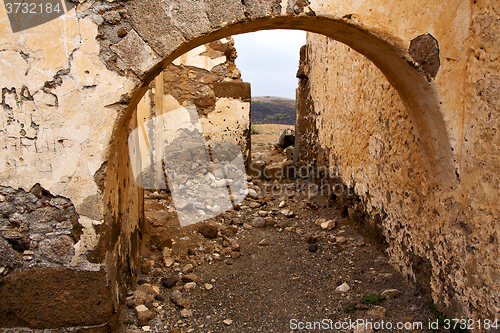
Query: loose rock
x: 258, y: 222
x: 377, y: 311
x: 391, y: 293
x: 154, y: 195
x: 187, y: 269
x: 190, y: 286
x: 208, y: 230
x: 228, y: 322
x: 269, y: 221
x: 252, y: 193
x: 328, y: 225
x: 287, y: 212
x: 287, y: 138
x: 341, y: 240
x: 145, y: 294
x: 175, y: 296
x: 319, y: 222
x: 264, y: 242
x: 184, y: 302
x: 312, y: 248
x: 235, y: 246
x: 168, y: 262
x: 191, y: 277
x: 147, y: 266
x: 122, y: 32
x: 254, y: 205
x: 170, y: 281
x: 143, y: 315
x: 343, y: 288
x: 112, y: 17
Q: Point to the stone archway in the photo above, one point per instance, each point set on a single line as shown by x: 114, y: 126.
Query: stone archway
x: 162, y: 31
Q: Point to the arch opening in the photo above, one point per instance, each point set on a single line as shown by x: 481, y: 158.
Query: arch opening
x: 391, y: 59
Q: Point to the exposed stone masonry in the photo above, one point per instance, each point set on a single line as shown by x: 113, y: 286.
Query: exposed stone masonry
x: 38, y: 230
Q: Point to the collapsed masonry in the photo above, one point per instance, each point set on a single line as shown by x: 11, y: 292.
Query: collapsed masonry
x: 205, y: 78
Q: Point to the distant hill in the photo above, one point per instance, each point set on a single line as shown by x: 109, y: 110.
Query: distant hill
x: 269, y: 110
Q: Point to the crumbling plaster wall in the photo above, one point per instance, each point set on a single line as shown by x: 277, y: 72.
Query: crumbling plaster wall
x: 444, y: 239
x: 70, y: 89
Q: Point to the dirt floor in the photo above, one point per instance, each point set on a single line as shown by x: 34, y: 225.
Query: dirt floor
x: 283, y: 261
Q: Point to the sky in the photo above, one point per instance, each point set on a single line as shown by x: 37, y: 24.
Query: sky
x: 269, y: 61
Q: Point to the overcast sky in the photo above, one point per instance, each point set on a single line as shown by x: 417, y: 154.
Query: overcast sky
x: 269, y: 61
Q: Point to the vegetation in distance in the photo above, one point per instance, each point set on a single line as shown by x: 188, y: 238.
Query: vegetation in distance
x: 273, y: 110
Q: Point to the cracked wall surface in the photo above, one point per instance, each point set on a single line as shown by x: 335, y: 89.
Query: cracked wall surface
x: 56, y: 119
x: 70, y: 89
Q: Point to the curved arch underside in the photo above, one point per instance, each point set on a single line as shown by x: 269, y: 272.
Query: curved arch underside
x: 168, y: 28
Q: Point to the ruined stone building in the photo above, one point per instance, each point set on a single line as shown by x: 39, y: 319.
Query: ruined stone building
x: 205, y: 78
x: 401, y: 98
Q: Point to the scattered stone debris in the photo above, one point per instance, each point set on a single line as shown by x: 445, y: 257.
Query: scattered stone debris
x: 186, y: 313
x: 287, y: 212
x: 328, y: 225
x: 377, y: 311
x: 213, y: 271
x: 391, y: 293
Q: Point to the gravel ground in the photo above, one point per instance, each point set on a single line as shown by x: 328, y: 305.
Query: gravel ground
x: 279, y: 263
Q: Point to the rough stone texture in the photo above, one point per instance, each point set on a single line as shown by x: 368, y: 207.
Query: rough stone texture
x: 134, y: 53
x: 70, y: 91
x: 45, y: 225
x: 443, y: 238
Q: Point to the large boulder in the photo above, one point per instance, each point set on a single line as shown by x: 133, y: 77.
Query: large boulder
x: 287, y: 138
